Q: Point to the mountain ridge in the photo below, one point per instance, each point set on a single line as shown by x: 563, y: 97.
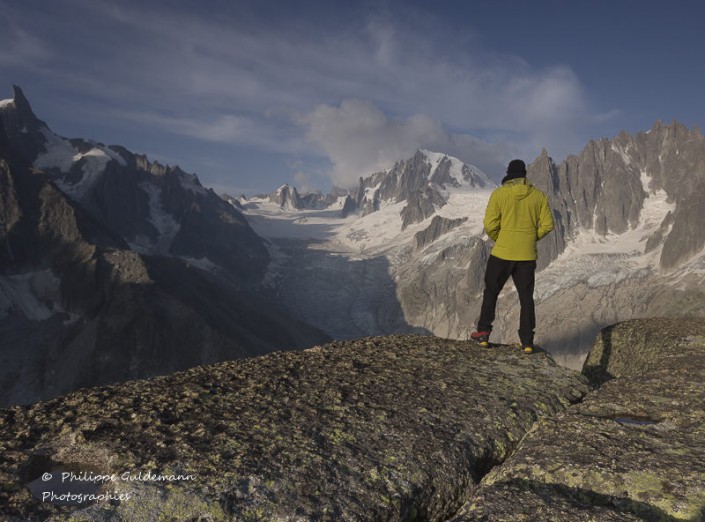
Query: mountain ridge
x: 112, y: 267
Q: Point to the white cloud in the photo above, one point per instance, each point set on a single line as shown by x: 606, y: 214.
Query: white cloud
x: 360, y: 139
x: 261, y: 133
x: 303, y: 182
x: 403, y: 65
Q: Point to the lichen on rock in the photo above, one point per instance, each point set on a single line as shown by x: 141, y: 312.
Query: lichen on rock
x: 632, y: 450
x: 387, y: 428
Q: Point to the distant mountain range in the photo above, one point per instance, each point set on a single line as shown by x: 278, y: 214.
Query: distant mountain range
x: 113, y: 267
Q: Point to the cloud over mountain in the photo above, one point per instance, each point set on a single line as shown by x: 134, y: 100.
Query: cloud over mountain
x: 360, y: 138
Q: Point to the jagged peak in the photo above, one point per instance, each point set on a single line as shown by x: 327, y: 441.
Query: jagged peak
x: 287, y: 197
x: 285, y: 187
x: 18, y: 95
x: 22, y: 105
x: 674, y: 126
x: 544, y: 158
x: 24, y: 115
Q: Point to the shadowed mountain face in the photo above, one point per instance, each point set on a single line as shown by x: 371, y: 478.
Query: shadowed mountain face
x: 112, y: 267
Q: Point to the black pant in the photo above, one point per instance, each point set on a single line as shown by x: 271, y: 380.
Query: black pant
x: 496, y: 275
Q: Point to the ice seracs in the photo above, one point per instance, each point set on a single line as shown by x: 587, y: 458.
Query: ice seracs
x: 35, y: 295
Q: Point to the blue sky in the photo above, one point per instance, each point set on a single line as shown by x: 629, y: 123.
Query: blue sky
x: 251, y: 94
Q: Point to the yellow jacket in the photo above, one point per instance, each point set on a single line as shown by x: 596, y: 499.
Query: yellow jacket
x: 517, y: 216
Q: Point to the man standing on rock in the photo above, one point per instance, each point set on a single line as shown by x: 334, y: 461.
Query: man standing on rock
x: 517, y: 216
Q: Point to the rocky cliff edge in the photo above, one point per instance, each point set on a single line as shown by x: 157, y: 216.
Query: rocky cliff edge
x: 388, y: 428
x: 632, y: 450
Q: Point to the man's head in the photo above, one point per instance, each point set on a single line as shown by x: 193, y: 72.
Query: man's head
x: 516, y: 169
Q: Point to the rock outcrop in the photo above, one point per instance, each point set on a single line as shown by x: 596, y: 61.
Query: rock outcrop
x: 287, y: 197
x: 318, y: 201
x: 421, y: 205
x: 386, y: 428
x: 389, y: 428
x: 441, y: 290
x: 438, y: 227
x: 632, y: 450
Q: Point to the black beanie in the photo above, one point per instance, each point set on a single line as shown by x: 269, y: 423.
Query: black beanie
x: 516, y: 169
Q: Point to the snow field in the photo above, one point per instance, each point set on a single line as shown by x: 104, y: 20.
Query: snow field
x: 61, y: 155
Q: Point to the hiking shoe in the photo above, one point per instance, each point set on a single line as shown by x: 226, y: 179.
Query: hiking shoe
x: 483, y: 338
x: 528, y: 349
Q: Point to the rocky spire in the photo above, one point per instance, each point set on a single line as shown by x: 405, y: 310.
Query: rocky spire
x: 22, y: 127
x: 25, y: 115
x: 286, y: 197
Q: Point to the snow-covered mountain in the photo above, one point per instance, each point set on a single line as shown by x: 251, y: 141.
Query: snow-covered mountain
x: 631, y: 240
x: 114, y: 268
x: 424, y: 182
x: 385, y: 207
x: 287, y: 198
x: 405, y: 250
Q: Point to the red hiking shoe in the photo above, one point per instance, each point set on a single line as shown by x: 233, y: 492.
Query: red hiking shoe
x: 482, y: 338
